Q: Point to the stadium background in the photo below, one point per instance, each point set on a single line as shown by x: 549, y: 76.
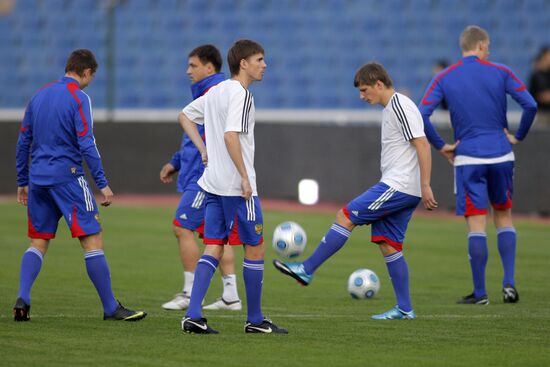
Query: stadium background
x: 312, y: 123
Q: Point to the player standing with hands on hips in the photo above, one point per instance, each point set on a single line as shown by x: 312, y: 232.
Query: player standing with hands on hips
x: 57, y: 133
x: 229, y: 180
x: 475, y: 91
x: 388, y: 205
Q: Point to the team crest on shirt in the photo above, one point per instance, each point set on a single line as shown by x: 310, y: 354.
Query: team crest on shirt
x: 259, y: 228
x: 73, y: 170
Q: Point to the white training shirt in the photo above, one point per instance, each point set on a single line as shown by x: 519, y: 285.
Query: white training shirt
x: 227, y: 106
x: 401, y: 122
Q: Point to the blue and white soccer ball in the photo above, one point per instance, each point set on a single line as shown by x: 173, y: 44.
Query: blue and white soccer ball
x: 289, y: 239
x: 363, y: 284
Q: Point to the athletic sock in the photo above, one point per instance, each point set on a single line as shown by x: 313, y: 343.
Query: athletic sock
x: 478, y: 254
x: 253, y: 274
x: 507, y: 249
x: 399, y: 275
x: 99, y: 274
x: 230, y: 288
x: 31, y: 263
x: 188, y: 278
x: 203, y: 276
x: 333, y: 241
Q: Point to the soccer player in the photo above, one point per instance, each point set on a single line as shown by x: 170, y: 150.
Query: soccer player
x: 204, y: 65
x: 388, y: 205
x: 475, y: 91
x: 229, y: 180
x: 57, y: 133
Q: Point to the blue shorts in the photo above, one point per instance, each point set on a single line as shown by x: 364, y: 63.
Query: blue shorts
x: 478, y: 184
x: 190, y: 211
x: 387, y: 210
x: 72, y: 200
x: 233, y: 220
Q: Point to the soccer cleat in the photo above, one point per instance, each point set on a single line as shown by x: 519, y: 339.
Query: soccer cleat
x: 180, y: 302
x: 265, y: 327
x: 21, y: 310
x: 295, y: 270
x: 510, y: 294
x: 124, y: 314
x: 395, y: 314
x: 196, y: 326
x: 222, y: 304
x: 470, y: 299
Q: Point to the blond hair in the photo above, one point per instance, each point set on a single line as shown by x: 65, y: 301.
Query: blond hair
x: 471, y: 36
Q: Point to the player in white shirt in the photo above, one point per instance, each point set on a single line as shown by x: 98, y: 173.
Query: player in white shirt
x: 229, y: 180
x: 388, y: 205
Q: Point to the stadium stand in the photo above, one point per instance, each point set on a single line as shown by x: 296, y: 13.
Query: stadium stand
x: 313, y: 47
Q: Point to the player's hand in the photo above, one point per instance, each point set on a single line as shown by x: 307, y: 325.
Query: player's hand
x: 428, y: 198
x: 511, y: 138
x: 166, y: 173
x: 204, y: 157
x: 448, y: 151
x: 107, y: 196
x: 23, y: 195
x: 246, y: 188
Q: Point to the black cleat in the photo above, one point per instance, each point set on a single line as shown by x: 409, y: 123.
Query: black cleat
x: 510, y: 294
x: 265, y: 327
x: 196, y: 326
x: 21, y: 310
x: 471, y: 300
x: 124, y: 314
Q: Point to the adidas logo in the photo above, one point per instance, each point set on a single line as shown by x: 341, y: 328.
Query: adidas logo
x: 355, y: 212
x: 323, y: 239
x: 183, y: 216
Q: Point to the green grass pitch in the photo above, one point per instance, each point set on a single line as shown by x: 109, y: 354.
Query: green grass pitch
x: 327, y: 327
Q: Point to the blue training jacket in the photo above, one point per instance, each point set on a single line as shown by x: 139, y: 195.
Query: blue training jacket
x: 188, y: 160
x: 475, y: 91
x: 57, y: 132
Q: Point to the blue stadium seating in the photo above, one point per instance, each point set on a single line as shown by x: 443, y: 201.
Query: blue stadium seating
x: 313, y: 47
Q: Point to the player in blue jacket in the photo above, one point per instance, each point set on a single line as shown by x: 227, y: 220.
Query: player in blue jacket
x: 475, y: 91
x: 57, y: 134
x: 204, y: 65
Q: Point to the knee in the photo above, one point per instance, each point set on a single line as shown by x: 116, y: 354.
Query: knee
x: 254, y: 252
x: 343, y: 220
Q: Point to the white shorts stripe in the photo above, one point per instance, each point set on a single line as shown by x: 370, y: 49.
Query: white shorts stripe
x: 87, y: 194
x: 250, y: 210
x: 197, y: 202
x: 382, y: 199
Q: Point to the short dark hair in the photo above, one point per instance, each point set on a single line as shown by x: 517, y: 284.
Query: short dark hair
x: 80, y: 60
x: 370, y: 73
x: 242, y: 49
x: 208, y: 53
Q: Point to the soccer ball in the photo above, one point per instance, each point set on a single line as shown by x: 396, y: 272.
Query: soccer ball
x: 289, y: 239
x: 363, y: 284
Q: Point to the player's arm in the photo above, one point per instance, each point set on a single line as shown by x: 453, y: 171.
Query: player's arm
x: 169, y: 169
x: 88, y: 148
x: 22, y: 157
x: 191, y: 130
x: 424, y: 154
x: 233, y: 145
x: 516, y: 89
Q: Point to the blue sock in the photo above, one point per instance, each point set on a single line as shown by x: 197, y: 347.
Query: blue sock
x: 31, y: 263
x: 399, y: 274
x: 333, y: 241
x: 478, y: 253
x: 99, y: 274
x: 253, y: 274
x: 507, y: 250
x: 203, y: 276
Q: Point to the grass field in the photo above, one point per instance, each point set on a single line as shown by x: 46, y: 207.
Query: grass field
x: 327, y: 327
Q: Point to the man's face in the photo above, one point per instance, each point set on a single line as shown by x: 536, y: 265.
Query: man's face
x: 370, y: 93
x: 197, y: 71
x: 484, y: 48
x: 255, y: 66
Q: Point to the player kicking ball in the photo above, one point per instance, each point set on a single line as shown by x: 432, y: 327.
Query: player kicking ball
x: 388, y: 205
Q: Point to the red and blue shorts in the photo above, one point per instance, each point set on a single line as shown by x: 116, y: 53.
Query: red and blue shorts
x: 387, y: 210
x: 190, y: 211
x: 72, y: 200
x: 233, y: 220
x: 478, y: 184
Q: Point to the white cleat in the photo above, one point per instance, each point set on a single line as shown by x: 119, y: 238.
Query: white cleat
x: 180, y: 302
x: 222, y: 304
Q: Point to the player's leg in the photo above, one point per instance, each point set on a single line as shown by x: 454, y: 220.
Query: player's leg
x: 500, y: 194
x: 230, y: 297
x: 472, y: 202
x: 43, y: 216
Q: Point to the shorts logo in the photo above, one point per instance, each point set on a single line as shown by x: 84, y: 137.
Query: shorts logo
x: 258, y: 228
x: 355, y: 212
x: 183, y: 216
x: 73, y: 170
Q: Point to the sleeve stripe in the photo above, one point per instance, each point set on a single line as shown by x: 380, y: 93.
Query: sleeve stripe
x: 244, y: 118
x: 398, y: 110
x: 248, y: 112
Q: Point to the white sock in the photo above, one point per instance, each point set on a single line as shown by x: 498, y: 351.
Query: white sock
x: 230, y: 288
x: 188, y: 278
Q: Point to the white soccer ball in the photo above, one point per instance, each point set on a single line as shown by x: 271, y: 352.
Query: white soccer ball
x: 289, y: 239
x: 363, y: 284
